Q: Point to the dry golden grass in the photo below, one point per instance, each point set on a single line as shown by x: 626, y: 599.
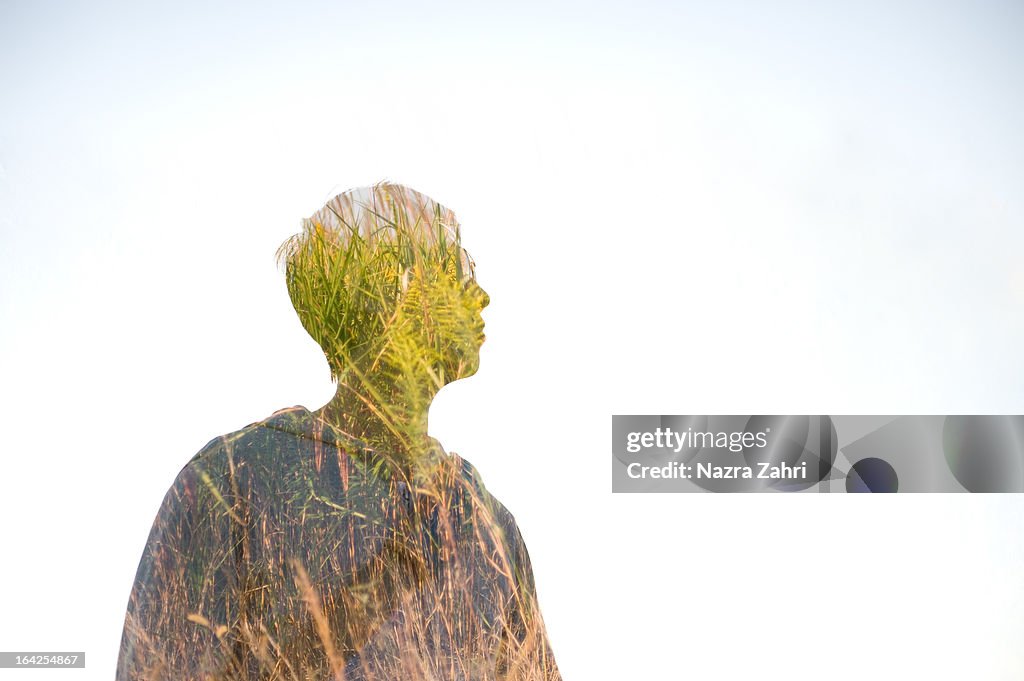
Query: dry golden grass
x: 262, y: 566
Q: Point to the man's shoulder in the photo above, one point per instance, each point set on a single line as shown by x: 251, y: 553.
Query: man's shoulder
x: 469, y: 477
x: 296, y: 421
x: 467, y: 471
x: 474, y: 480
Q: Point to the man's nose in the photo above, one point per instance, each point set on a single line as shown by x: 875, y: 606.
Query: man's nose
x: 485, y: 299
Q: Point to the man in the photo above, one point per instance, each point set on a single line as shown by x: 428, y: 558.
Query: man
x: 345, y: 543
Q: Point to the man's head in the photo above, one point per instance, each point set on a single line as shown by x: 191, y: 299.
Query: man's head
x: 380, y: 280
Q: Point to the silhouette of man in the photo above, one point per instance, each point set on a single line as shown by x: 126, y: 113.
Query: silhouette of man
x: 345, y: 543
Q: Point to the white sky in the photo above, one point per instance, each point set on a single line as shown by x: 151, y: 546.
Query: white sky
x: 674, y: 209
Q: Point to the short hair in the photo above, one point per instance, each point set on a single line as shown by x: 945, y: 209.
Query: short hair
x: 355, y: 258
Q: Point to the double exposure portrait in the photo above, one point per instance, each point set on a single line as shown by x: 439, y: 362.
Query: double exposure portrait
x: 346, y: 543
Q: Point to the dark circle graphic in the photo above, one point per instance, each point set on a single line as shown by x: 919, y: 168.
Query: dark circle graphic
x: 872, y: 475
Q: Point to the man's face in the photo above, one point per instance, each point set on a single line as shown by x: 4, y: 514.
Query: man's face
x: 475, y: 300
x: 440, y: 326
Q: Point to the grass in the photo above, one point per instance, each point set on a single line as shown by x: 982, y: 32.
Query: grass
x: 345, y: 544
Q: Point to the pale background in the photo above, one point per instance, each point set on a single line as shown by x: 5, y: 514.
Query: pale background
x: 676, y: 208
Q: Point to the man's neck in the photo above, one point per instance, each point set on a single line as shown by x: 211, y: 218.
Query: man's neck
x: 393, y: 426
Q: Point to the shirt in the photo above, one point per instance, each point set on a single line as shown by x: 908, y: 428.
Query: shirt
x: 288, y: 550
